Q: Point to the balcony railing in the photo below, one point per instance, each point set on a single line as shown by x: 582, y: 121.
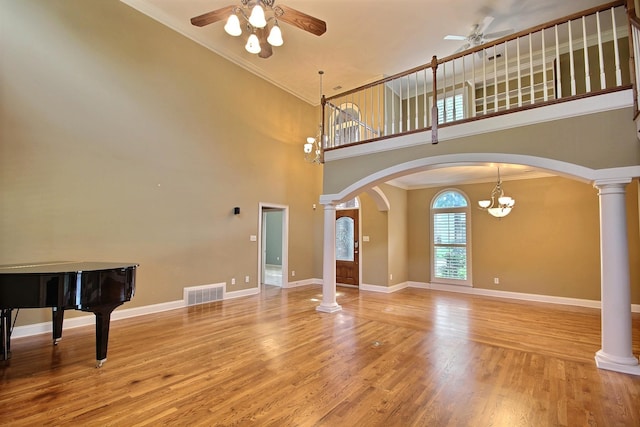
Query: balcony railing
x: 584, y: 54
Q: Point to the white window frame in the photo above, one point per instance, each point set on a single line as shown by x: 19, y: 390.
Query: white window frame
x: 449, y: 94
x: 433, y: 245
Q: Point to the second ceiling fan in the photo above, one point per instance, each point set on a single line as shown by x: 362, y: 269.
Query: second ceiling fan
x: 478, y: 36
x: 256, y: 15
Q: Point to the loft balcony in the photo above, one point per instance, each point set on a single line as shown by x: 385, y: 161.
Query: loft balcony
x: 575, y: 66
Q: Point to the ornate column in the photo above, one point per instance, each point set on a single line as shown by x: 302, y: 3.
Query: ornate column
x: 616, y: 353
x: 329, y: 304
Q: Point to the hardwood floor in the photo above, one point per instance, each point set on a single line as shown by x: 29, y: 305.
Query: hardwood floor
x: 412, y: 358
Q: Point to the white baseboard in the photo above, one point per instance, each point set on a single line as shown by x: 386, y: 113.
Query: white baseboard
x: 118, y: 314
x: 90, y: 319
x: 304, y: 282
x: 635, y: 308
x: 241, y: 293
x: 383, y: 289
x: 125, y: 313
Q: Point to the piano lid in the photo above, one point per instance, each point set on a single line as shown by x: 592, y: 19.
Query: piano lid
x: 63, y: 267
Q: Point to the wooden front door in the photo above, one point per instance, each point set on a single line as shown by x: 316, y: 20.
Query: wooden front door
x: 347, y: 247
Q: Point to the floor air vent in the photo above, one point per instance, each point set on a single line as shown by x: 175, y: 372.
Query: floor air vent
x: 195, y: 295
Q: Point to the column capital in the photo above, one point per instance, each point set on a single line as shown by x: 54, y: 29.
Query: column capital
x: 612, y: 182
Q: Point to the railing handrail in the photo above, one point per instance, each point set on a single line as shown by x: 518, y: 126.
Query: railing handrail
x: 487, y: 45
x: 524, y: 70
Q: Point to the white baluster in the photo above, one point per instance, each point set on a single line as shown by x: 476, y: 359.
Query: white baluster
x: 519, y: 73
x: 558, y: 73
x: 532, y: 94
x: 545, y: 96
x: 426, y: 106
x: 573, y: 71
x: 416, y: 103
x: 506, y: 73
x: 587, y: 72
x: 495, y: 80
x: 474, y: 112
x: 484, y: 82
x: 603, y: 76
x: 616, y: 50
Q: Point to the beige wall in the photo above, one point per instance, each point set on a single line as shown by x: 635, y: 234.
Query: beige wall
x: 597, y: 141
x: 398, y: 233
x: 375, y: 252
x: 122, y: 140
x: 548, y: 245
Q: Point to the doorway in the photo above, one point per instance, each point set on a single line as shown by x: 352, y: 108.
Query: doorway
x: 347, y: 247
x: 273, y: 253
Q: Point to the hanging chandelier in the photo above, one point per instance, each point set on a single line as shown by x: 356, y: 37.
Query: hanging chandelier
x: 313, y: 146
x: 499, y: 205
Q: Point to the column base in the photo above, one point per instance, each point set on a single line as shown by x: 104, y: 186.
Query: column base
x: 626, y: 365
x: 329, y: 308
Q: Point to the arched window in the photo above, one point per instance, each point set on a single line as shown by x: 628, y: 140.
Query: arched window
x: 345, y: 122
x: 451, y: 238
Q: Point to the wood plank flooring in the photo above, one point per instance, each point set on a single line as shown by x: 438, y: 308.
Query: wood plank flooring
x: 412, y: 358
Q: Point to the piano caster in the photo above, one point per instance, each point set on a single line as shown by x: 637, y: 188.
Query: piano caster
x: 56, y: 341
x: 99, y: 363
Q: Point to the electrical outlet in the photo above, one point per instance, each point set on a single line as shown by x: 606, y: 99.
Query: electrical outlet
x: 293, y: 273
x: 390, y: 276
x: 246, y: 279
x: 496, y: 281
x: 233, y: 280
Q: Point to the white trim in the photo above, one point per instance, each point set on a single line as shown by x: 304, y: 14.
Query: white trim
x: 241, y: 293
x: 468, y: 244
x: 304, y: 282
x: 569, y: 170
x: 578, y: 302
x: 563, y: 110
x: 384, y: 289
x: 118, y: 314
x: 285, y: 241
x: 90, y: 319
x: 183, y: 27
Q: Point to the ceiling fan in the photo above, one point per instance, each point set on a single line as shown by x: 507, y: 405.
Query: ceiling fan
x: 257, y: 15
x: 477, y: 36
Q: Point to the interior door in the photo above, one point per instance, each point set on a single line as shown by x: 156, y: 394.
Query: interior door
x: 347, y: 247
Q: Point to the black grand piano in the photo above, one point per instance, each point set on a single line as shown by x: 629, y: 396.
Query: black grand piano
x: 97, y: 287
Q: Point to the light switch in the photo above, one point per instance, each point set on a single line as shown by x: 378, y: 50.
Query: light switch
x: 365, y: 238
x: 253, y: 238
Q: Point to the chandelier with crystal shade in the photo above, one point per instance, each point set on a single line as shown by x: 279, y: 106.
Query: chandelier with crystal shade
x: 500, y: 205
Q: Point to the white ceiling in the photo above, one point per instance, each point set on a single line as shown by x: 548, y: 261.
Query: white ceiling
x: 365, y: 40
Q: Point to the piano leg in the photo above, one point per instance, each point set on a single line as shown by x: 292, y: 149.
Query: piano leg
x: 103, y: 318
x: 57, y: 316
x: 5, y: 332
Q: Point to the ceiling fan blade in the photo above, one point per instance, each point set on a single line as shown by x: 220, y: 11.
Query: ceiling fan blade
x: 498, y: 34
x: 265, y: 48
x: 211, y: 17
x: 463, y: 47
x: 453, y: 37
x: 301, y: 20
x: 485, y: 24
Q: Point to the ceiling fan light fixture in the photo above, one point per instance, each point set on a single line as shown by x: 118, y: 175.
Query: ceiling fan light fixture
x: 275, y: 36
x: 253, y: 44
x: 232, y: 27
x: 257, y: 18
